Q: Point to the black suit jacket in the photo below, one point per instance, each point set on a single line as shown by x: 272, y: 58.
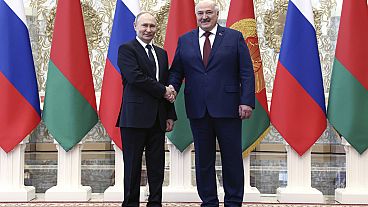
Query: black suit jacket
x: 143, y: 94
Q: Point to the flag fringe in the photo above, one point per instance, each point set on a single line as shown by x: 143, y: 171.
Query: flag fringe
x: 259, y: 140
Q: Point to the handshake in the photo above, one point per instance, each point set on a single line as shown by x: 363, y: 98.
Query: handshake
x: 170, y: 93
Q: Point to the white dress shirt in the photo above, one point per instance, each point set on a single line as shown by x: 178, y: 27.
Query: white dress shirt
x: 154, y: 55
x: 202, y: 38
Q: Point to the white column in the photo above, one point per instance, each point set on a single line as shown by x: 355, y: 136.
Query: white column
x: 251, y: 194
x: 12, y: 187
x: 298, y: 189
x: 116, y: 192
x: 180, y: 188
x: 356, y: 190
x: 69, y: 186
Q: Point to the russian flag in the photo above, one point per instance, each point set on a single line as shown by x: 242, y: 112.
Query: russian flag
x: 298, y: 109
x: 19, y: 106
x: 112, y: 88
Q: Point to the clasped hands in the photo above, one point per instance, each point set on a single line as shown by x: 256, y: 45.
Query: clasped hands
x: 170, y: 93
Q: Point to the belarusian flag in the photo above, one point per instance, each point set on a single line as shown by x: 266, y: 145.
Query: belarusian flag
x: 70, y: 103
x: 241, y: 17
x: 181, y: 20
x: 348, y: 99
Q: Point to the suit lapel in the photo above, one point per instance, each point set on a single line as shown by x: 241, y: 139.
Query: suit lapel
x: 143, y: 54
x: 195, y: 40
x: 160, y: 62
x: 218, y: 39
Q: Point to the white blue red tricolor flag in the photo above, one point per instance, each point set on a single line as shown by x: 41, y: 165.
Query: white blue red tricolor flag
x: 112, y: 88
x: 298, y: 104
x: 19, y: 105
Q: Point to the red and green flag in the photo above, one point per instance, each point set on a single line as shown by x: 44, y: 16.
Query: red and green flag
x: 181, y: 20
x: 348, y: 98
x: 70, y: 104
x: 241, y: 17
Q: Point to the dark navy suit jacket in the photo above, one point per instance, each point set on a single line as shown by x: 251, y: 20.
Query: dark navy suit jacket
x: 227, y: 82
x: 143, y: 94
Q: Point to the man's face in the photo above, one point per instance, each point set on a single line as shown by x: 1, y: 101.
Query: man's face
x: 146, y: 27
x: 206, y: 15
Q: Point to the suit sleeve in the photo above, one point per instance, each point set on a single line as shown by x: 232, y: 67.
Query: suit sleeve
x: 171, y: 113
x: 132, y: 72
x: 170, y: 107
x: 247, y: 96
x: 176, y: 72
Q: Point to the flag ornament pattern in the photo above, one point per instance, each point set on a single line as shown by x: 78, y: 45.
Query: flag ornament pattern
x: 348, y: 98
x: 19, y: 105
x: 241, y: 17
x: 181, y: 20
x: 70, y: 105
x: 298, y: 103
x: 112, y: 88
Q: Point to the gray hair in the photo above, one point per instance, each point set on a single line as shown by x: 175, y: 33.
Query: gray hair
x: 217, y: 9
x: 141, y: 13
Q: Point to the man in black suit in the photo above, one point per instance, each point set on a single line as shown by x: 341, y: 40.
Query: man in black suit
x: 145, y: 112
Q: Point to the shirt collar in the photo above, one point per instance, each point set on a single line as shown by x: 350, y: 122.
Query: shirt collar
x: 143, y: 43
x: 213, y: 31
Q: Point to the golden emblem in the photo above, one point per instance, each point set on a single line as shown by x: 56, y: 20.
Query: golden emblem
x: 249, y: 30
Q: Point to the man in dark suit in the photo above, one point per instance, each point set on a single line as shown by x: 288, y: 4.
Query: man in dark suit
x: 219, y: 93
x: 145, y: 114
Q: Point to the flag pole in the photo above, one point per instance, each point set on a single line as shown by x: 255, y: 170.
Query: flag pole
x: 356, y: 190
x: 12, y: 187
x: 298, y: 189
x: 116, y: 192
x: 180, y: 188
x: 251, y: 194
x: 68, y: 187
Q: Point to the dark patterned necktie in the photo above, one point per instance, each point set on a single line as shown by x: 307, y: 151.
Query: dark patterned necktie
x: 151, y: 58
x: 206, y: 48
